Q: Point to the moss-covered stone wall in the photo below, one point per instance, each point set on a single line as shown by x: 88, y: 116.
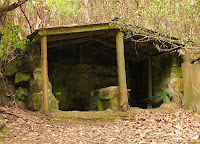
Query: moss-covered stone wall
x: 73, y: 83
x: 167, y: 77
x: 25, y: 75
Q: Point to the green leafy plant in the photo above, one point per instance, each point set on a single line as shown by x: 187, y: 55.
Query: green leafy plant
x: 10, y: 40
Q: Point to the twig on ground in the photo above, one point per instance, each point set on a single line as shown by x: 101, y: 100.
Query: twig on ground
x: 2, y: 109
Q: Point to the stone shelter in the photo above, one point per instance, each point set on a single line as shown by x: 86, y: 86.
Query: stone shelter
x: 81, y: 67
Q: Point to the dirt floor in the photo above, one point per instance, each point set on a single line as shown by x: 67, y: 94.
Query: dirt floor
x: 155, y: 126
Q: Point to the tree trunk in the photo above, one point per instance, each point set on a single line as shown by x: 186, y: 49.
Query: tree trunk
x: 16, y: 20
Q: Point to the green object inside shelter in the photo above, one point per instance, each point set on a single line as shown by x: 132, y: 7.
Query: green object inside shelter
x: 156, y: 96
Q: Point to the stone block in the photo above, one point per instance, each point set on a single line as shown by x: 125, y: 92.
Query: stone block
x: 11, y: 68
x: 177, y: 97
x: 30, y: 63
x: 53, y: 102
x: 177, y: 71
x: 22, y: 93
x: 22, y: 77
x: 21, y: 104
x: 35, y: 101
x: 35, y: 88
x: 112, y: 92
x: 176, y: 84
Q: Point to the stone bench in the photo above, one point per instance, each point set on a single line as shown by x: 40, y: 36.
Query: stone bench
x: 107, y: 98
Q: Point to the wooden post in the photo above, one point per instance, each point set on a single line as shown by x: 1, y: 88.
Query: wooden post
x: 44, y: 74
x: 187, y: 57
x: 121, y: 72
x: 149, y: 104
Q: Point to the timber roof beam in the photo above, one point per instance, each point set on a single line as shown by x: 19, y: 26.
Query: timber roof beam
x: 70, y: 42
x: 112, y: 45
x: 80, y: 35
x: 74, y: 29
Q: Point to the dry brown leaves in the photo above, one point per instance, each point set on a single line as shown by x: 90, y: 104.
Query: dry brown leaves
x: 149, y: 126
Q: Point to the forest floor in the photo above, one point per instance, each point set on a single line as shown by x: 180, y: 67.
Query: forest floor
x: 160, y: 125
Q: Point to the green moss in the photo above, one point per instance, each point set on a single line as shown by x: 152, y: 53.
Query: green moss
x: 31, y: 59
x: 100, y: 117
x: 177, y: 71
x: 22, y: 93
x: 35, y: 102
x: 3, y: 129
x: 53, y: 102
x: 33, y: 49
x: 37, y: 75
x: 181, y: 84
x: 12, y: 68
x: 66, y: 30
x: 22, y: 77
x: 30, y: 63
x: 92, y: 116
x: 21, y: 104
x: 35, y: 89
x: 34, y: 86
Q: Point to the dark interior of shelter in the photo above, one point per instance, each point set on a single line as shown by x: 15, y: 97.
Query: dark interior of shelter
x: 79, y: 63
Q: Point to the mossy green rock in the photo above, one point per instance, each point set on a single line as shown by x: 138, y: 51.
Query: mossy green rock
x: 33, y: 49
x: 22, y: 93
x: 35, y: 102
x: 176, y: 84
x: 177, y: 71
x: 30, y: 60
x: 35, y: 89
x: 22, y: 77
x: 37, y: 75
x: 34, y: 86
x: 177, y: 97
x: 21, y: 104
x: 12, y: 68
x: 112, y: 92
x: 53, y: 102
x: 33, y: 58
x: 29, y: 64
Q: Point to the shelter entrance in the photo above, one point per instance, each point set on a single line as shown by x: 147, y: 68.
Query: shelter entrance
x: 78, y: 69
x: 84, y: 58
x: 75, y: 70
x: 138, y: 83
x: 79, y: 63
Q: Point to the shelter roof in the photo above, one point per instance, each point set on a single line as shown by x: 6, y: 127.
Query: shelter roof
x: 140, y: 43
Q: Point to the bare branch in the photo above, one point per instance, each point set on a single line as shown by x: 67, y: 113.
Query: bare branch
x: 31, y: 28
x: 12, y: 6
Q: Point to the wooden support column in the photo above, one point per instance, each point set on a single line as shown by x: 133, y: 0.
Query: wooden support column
x: 44, y: 74
x: 187, y: 57
x: 121, y: 72
x: 149, y: 104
